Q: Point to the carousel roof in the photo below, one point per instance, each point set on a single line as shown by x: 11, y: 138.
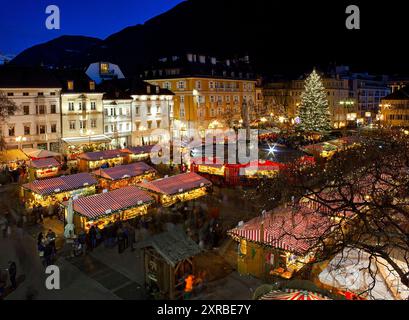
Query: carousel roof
x: 102, y: 155
x: 124, y: 171
x: 174, y: 245
x: 295, y: 231
x: 106, y: 203
x: 293, y: 294
x: 44, y: 163
x: 176, y: 184
x: 61, y: 184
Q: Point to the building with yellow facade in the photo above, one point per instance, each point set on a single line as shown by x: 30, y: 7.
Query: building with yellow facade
x: 209, y: 94
x: 394, y: 109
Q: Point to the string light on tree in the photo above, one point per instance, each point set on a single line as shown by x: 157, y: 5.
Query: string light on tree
x: 314, y: 113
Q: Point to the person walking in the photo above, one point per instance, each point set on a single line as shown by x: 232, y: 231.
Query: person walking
x: 93, y: 237
x: 48, y: 254
x: 121, y: 240
x: 3, y: 282
x: 51, y: 237
x: 12, y: 269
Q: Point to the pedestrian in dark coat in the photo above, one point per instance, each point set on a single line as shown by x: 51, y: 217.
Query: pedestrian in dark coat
x: 93, y: 237
x: 12, y: 274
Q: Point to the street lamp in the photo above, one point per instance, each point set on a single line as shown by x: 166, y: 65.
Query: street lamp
x: 20, y: 140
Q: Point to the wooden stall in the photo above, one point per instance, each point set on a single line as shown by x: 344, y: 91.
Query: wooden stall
x: 235, y: 174
x: 104, y: 208
x: 89, y: 161
x: 328, y: 148
x: 139, y: 153
x: 12, y: 158
x: 279, y: 243
x: 125, y: 175
x: 178, y: 188
x: 57, y: 190
x: 43, y: 168
x: 168, y: 263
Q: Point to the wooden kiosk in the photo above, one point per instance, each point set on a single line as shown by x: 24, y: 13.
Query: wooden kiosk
x: 125, y: 175
x: 109, y: 207
x: 181, y: 187
x: 168, y: 260
x: 43, y: 168
x: 56, y: 190
x: 89, y: 161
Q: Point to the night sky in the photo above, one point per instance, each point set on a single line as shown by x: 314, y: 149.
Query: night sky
x: 22, y: 22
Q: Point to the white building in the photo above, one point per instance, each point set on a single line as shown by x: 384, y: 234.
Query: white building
x: 82, y: 113
x: 100, y: 71
x: 133, y: 109
x: 36, y: 123
x: 152, y: 109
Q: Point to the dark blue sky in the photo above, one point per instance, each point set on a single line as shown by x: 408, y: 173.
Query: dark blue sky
x: 22, y: 22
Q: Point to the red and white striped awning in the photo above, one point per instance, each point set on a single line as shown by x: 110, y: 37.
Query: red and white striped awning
x: 61, y: 184
x: 296, y: 232
x: 124, y: 171
x: 104, y: 204
x: 44, y: 163
x: 179, y: 183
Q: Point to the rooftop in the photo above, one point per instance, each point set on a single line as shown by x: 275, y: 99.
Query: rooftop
x: 102, y: 155
x: 44, y: 163
x: 61, y: 184
x: 174, y: 246
x: 176, y: 184
x: 124, y: 171
x: 98, y: 205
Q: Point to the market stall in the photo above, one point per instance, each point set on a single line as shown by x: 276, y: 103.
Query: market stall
x: 35, y: 154
x: 43, y: 168
x: 104, y: 208
x: 122, y: 176
x: 94, y: 160
x: 55, y: 190
x: 234, y: 174
x: 12, y: 158
x: 181, y: 187
x: 279, y: 243
x: 169, y: 263
x: 139, y: 153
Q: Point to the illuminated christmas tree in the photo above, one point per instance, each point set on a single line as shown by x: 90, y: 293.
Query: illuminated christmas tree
x: 313, y: 113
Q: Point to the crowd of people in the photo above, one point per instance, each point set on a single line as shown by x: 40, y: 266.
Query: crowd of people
x: 16, y: 173
x: 46, y: 247
x: 120, y: 234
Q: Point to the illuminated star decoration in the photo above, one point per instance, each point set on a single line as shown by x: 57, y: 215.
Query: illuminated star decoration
x: 272, y: 149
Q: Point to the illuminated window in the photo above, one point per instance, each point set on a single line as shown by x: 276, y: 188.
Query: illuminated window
x: 70, y: 85
x: 104, y: 67
x: 92, y: 85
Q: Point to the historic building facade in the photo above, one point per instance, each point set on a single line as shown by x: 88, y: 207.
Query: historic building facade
x: 209, y: 93
x: 36, y: 122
